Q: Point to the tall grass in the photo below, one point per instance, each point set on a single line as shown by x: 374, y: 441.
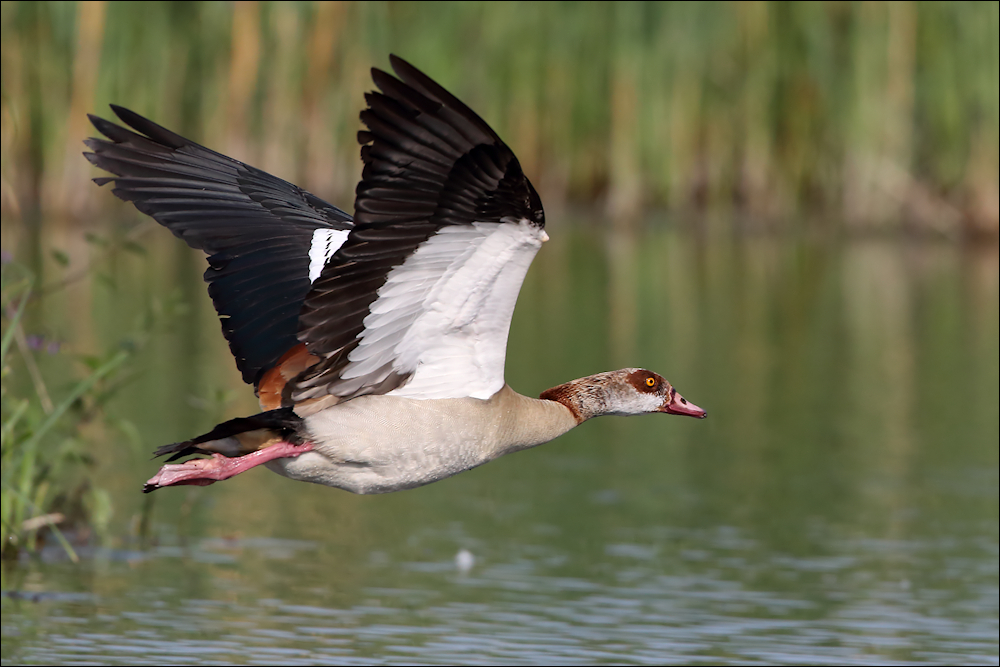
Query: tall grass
x: 859, y: 113
x: 45, y: 476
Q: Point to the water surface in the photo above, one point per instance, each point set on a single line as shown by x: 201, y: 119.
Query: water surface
x: 840, y: 503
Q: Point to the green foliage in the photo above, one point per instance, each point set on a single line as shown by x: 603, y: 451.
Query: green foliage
x: 46, y: 476
x: 864, y: 111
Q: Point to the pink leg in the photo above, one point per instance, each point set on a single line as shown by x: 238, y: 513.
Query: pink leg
x: 202, y: 472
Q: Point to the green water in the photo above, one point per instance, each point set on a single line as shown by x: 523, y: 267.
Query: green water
x: 840, y: 503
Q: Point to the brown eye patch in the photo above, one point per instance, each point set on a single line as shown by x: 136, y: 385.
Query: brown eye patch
x: 644, y: 381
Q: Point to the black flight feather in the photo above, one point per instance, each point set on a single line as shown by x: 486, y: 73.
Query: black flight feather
x: 430, y: 162
x: 256, y: 228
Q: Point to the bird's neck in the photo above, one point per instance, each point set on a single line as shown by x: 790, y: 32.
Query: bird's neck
x: 587, y: 397
x: 527, y: 422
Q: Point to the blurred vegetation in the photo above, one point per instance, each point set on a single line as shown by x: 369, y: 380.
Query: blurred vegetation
x: 54, y: 408
x: 44, y: 460
x: 834, y: 114
x: 840, y: 116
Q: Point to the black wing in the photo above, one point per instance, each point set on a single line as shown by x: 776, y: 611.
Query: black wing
x: 430, y: 161
x: 256, y: 229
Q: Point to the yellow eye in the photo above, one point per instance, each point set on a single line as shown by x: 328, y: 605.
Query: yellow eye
x: 650, y: 382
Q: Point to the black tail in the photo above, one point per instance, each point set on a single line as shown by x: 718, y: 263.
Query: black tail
x: 226, y: 437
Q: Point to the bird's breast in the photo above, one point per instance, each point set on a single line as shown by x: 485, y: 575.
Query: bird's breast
x: 377, y: 444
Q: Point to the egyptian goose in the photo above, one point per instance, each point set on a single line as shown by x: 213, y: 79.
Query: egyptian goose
x: 376, y: 343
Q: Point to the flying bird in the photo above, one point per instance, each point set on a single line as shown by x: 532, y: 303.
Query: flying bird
x: 375, y: 343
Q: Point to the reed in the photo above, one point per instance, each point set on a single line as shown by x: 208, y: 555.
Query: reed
x: 46, y: 475
x: 848, y: 115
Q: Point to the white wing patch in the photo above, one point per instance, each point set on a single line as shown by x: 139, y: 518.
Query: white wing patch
x: 443, y: 315
x: 325, y: 242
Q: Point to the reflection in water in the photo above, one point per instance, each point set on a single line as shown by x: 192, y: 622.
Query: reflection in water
x: 881, y: 395
x: 623, y: 296
x: 840, y: 503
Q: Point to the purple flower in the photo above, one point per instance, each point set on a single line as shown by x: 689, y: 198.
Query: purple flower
x: 35, y: 342
x: 53, y: 347
x: 6, y: 257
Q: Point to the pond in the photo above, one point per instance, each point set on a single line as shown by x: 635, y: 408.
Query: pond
x: 839, y: 504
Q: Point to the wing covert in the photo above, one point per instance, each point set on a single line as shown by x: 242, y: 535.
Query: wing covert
x: 431, y: 164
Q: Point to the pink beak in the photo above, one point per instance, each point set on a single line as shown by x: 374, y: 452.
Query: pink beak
x: 678, y: 405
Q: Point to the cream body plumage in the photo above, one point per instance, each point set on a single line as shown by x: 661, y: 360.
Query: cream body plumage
x: 375, y: 342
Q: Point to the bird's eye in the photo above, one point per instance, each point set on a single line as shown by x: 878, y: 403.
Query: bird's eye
x: 650, y: 382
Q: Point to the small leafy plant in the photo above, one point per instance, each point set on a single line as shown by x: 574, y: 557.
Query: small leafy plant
x: 46, y: 473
